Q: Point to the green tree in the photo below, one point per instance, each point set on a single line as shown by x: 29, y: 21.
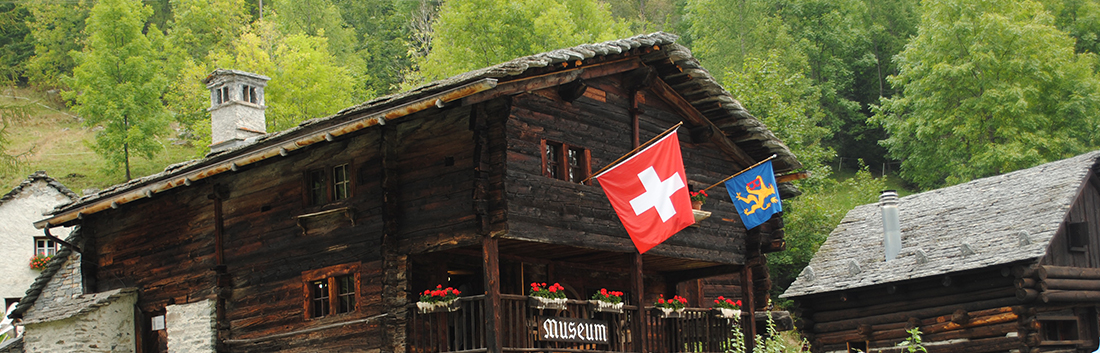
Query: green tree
x: 384, y: 28
x: 1080, y: 19
x: 15, y: 47
x: 988, y: 87
x: 57, y: 28
x: 117, y: 82
x: 725, y: 33
x: 478, y: 33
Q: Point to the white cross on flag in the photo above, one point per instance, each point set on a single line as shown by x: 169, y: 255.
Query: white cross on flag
x: 649, y: 193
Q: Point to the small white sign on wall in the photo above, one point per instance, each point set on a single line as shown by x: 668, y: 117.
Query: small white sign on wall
x: 158, y: 323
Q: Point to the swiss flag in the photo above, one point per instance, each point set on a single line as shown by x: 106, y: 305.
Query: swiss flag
x: 649, y: 193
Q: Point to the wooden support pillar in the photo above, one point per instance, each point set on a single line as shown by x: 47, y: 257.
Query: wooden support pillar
x: 748, y: 312
x: 221, y: 276
x: 491, y: 265
x: 638, y: 287
x: 395, y: 265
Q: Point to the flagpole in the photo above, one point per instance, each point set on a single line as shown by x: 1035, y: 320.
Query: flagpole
x: 635, y: 150
x: 739, y: 173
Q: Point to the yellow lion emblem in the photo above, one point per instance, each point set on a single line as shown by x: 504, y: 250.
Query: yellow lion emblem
x: 759, y: 193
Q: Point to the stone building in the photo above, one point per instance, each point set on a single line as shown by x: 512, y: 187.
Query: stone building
x: 19, y: 240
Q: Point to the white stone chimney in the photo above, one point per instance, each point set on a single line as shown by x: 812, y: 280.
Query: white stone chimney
x: 891, y: 225
x: 236, y: 107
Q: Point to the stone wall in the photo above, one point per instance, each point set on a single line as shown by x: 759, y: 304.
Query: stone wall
x: 191, y: 327
x: 102, y: 322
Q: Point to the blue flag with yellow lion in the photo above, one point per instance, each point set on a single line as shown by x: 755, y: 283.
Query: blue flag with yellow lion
x: 755, y: 195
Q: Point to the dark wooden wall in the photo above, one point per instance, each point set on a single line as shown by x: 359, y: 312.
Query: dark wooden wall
x: 980, y: 306
x: 166, y: 245
x: 542, y: 209
x: 1085, y: 209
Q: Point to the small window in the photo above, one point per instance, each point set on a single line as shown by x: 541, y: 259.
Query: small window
x: 854, y: 347
x: 325, y: 185
x: 1077, y: 236
x: 340, y: 182
x: 44, y: 246
x: 248, y: 94
x: 1059, y: 330
x: 222, y: 95
x: 331, y: 290
x: 565, y: 162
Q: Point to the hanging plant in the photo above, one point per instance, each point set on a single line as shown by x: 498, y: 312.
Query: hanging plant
x: 39, y: 262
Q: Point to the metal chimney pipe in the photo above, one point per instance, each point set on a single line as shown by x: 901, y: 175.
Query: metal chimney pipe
x: 891, y: 225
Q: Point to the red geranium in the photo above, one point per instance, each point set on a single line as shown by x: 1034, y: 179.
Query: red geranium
x: 677, y: 302
x: 722, y: 302
x: 613, y: 297
x: 439, y: 294
x: 554, y: 291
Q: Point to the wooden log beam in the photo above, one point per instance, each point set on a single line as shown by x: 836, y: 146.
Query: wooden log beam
x: 687, y: 275
x: 1070, y: 284
x: 923, y: 302
x: 897, y: 316
x: 1045, y: 272
x: 1070, y: 296
x: 749, y: 305
x: 1026, y: 283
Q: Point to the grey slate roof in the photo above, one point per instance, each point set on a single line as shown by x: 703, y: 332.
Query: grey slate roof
x: 75, y: 306
x: 991, y: 221
x: 675, y: 65
x: 36, y: 176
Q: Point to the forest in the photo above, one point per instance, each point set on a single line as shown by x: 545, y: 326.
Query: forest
x: 920, y: 94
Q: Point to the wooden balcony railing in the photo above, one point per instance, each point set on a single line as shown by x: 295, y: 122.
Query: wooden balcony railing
x: 463, y: 331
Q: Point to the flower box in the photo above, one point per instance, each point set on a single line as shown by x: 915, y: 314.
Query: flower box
x: 543, y: 303
x: 606, y: 307
x: 670, y: 313
x: 438, y: 307
x: 727, y: 313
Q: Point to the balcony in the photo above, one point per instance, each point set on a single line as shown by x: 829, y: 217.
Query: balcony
x: 463, y: 331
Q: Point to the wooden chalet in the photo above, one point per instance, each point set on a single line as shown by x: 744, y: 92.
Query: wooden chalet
x: 1008, y: 263
x: 322, y: 237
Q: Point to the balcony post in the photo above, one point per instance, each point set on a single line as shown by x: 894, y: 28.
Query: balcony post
x: 491, y: 265
x: 749, y: 312
x: 640, y: 322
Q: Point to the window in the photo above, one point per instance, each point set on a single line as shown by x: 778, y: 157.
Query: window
x: 565, y: 162
x: 248, y: 94
x: 340, y: 182
x: 1077, y: 236
x: 331, y: 290
x: 326, y: 185
x: 1059, y: 330
x: 44, y: 246
x: 222, y: 95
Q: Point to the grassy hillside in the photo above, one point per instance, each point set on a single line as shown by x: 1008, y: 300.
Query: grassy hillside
x: 53, y: 139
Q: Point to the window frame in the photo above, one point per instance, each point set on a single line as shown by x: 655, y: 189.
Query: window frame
x: 331, y: 275
x: 56, y: 246
x: 328, y: 172
x: 561, y: 162
x: 1077, y: 236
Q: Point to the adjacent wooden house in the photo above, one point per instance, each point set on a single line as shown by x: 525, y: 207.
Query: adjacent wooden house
x: 321, y: 237
x: 1008, y: 263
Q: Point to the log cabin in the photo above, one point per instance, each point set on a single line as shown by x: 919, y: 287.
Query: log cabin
x: 1001, y: 264
x: 323, y: 236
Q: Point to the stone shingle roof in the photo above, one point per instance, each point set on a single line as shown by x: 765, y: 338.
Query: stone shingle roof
x: 991, y: 221
x: 36, y: 176
x: 674, y: 64
x: 71, y: 307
